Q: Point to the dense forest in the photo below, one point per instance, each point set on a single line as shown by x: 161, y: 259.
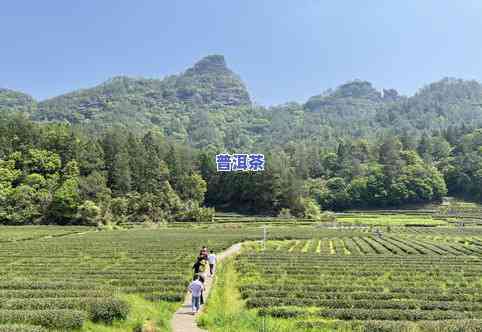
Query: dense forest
x: 143, y: 150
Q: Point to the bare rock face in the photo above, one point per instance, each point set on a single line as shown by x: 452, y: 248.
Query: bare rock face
x: 211, y: 81
x: 211, y: 64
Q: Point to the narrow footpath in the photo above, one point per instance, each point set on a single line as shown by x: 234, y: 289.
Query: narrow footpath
x: 183, y: 319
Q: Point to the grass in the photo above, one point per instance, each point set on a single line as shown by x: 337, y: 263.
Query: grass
x: 155, y: 315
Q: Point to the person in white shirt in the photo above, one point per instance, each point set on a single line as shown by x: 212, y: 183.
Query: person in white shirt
x: 196, y: 288
x: 212, y: 262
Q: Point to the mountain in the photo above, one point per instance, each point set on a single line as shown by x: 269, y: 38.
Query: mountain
x: 358, y: 109
x: 208, y: 105
x: 209, y: 84
x: 11, y: 100
x: 352, y: 104
x: 439, y: 105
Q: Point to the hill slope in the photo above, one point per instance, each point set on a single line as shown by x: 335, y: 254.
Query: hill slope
x: 149, y: 102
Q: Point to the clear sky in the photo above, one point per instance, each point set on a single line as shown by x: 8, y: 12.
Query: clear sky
x: 284, y: 50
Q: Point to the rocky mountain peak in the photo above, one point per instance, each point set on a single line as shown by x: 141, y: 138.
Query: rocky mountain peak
x: 210, y: 64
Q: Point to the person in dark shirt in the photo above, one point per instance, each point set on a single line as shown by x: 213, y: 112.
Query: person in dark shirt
x: 199, y: 268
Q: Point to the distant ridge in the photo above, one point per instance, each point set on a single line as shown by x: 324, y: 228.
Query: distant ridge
x: 209, y: 105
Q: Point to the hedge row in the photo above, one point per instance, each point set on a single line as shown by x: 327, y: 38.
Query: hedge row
x: 369, y: 296
x: 265, y: 302
x: 165, y: 297
x: 51, y: 293
x: 63, y: 313
x: 61, y: 319
x: 21, y: 328
x: 50, y: 303
x: 28, y: 284
x: 283, y: 312
x: 463, y: 325
x: 397, y: 292
x: 393, y: 314
x: 369, y: 314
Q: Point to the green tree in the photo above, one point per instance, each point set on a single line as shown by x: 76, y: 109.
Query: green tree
x: 42, y: 161
x: 94, y: 187
x: 66, y: 198
x: 121, y: 181
x: 21, y: 206
x: 88, y: 213
x: 193, y: 187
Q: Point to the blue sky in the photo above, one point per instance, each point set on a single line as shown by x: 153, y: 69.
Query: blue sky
x: 284, y: 50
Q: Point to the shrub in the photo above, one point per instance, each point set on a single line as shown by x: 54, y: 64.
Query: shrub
x: 88, y: 213
x: 387, y: 326
x: 108, y: 310
x: 285, y: 214
x: 327, y: 325
x: 164, y: 297
x: 195, y: 213
x: 389, y: 314
x: 282, y: 312
x: 62, y: 319
x: 328, y: 216
x: 21, y: 328
x: 311, y: 209
x: 59, y: 319
x: 462, y: 325
x: 120, y: 209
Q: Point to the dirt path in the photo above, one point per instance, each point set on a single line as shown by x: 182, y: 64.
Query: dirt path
x: 183, y: 320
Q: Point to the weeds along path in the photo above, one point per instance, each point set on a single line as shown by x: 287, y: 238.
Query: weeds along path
x: 183, y: 320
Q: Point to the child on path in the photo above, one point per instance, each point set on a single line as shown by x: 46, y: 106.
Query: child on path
x: 212, y: 262
x: 196, y: 288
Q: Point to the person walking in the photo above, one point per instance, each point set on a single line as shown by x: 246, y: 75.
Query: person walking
x: 204, y: 252
x: 212, y: 262
x: 200, y: 270
x: 203, y: 271
x: 196, y: 289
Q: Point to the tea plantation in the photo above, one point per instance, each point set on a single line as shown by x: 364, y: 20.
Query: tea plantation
x: 316, y: 277
x: 60, y: 278
x: 410, y: 279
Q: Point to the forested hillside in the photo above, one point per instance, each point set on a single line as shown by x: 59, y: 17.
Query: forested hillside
x: 166, y: 104
x: 56, y: 173
x: 209, y: 106
x: 11, y: 101
x: 143, y: 149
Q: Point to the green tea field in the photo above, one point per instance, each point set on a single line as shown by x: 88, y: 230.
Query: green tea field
x: 305, y: 277
x: 84, y: 277
x: 415, y: 280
